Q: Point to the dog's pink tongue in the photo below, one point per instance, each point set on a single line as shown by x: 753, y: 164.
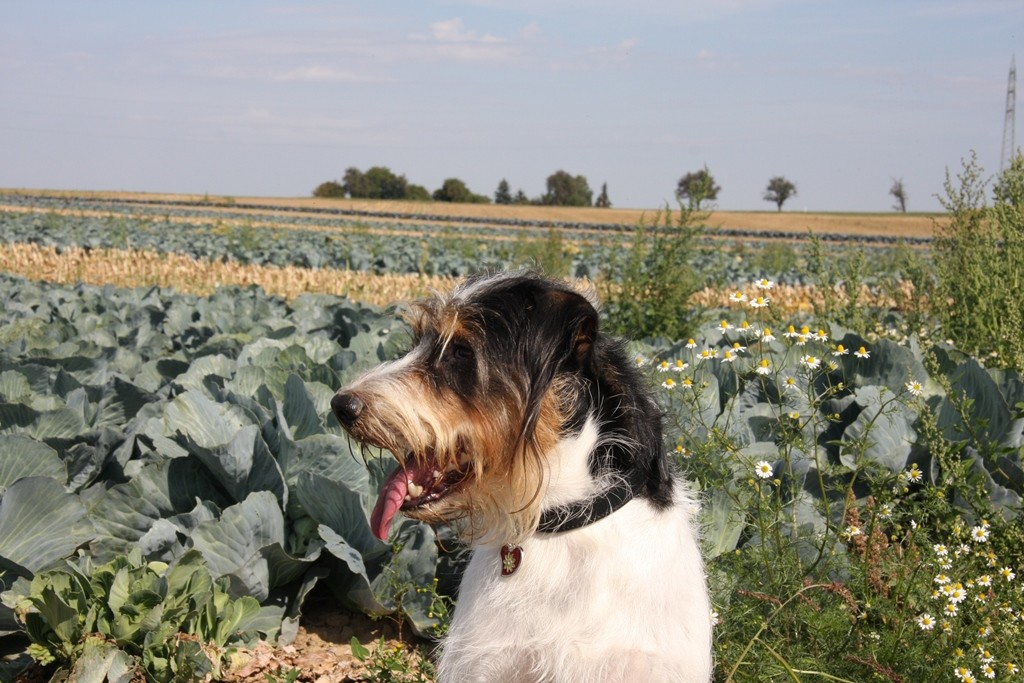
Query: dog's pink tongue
x: 392, y: 495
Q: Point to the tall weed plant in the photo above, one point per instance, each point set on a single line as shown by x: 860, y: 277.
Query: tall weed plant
x: 647, y: 285
x: 979, y: 260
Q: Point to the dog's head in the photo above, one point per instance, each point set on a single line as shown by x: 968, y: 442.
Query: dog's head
x: 496, y: 378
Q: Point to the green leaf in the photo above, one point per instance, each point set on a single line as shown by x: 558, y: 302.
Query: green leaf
x: 41, y: 523
x: 359, y: 651
x: 21, y: 457
x: 881, y: 433
x: 206, y: 422
x: 102, y: 662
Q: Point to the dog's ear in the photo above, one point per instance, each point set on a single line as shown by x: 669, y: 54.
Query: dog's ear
x: 569, y: 318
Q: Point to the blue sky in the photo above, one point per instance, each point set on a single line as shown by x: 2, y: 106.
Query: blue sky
x: 272, y: 98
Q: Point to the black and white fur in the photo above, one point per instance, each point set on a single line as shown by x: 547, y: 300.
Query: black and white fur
x: 512, y: 407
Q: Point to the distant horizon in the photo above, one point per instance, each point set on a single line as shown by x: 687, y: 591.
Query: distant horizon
x: 269, y: 197
x: 271, y: 98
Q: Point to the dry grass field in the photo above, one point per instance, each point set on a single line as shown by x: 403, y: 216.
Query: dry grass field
x: 853, y: 224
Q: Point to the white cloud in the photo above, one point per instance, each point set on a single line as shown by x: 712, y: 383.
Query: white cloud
x: 454, y: 31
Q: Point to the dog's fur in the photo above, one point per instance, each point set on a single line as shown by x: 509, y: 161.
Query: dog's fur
x: 511, y: 404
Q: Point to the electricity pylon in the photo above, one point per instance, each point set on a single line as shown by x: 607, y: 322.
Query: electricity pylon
x: 1008, y: 125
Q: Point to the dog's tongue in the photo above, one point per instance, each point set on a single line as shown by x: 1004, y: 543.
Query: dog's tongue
x: 392, y: 495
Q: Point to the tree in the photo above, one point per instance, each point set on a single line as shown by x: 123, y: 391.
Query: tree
x: 520, y: 197
x: 899, y: 194
x: 454, y: 190
x: 417, y: 193
x: 567, y: 190
x: 602, y: 201
x: 331, y: 188
x: 384, y: 184
x: 697, y: 187
x: 355, y: 183
x: 503, y: 195
x: 779, y: 190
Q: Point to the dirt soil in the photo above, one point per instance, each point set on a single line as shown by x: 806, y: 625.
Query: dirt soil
x: 321, y: 652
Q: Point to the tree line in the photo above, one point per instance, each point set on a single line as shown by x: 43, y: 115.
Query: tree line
x: 696, y: 189
x: 380, y: 182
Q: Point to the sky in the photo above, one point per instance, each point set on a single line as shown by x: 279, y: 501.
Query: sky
x: 272, y: 98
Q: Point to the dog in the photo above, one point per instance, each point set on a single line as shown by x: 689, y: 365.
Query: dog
x: 515, y: 419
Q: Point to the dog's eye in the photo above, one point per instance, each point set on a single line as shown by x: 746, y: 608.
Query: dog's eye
x: 460, y: 352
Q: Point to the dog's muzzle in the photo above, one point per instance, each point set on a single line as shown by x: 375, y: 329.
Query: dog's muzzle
x: 347, y: 407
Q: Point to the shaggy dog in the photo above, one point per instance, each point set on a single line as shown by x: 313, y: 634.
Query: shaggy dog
x: 515, y: 418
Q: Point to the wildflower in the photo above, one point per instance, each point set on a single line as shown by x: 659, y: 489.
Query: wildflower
x: 737, y: 297
x: 663, y: 366
x: 763, y: 469
x: 956, y: 594
x: 940, y: 549
x: 840, y: 350
x: 683, y: 451
x: 714, y: 618
x: 690, y: 343
x: 738, y: 348
x: 687, y: 382
x: 821, y: 336
x: 941, y: 579
x: 832, y: 365
x: 980, y: 534
x: 762, y: 367
x: 926, y: 622
x: 885, y: 511
x: 764, y: 283
x: 708, y: 354
x: 812, y: 362
x: 1007, y: 573
x: 767, y: 336
x: 724, y: 326
x: 641, y: 361
x: 950, y: 610
x: 745, y: 327
x: 669, y: 384
x: 985, y: 580
x: 679, y: 366
x: 790, y: 332
x: 914, y: 474
x: 789, y: 383
x: 988, y: 671
x: 760, y: 302
x: 1012, y: 668
x: 915, y: 387
x: 862, y: 353
x: 727, y: 356
x: 852, y: 531
x: 793, y: 415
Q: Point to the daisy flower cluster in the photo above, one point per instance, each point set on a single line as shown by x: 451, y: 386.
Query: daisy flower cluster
x: 786, y: 359
x: 976, y: 605
x: 752, y: 347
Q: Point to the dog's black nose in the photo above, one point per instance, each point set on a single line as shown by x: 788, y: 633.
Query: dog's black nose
x: 347, y: 408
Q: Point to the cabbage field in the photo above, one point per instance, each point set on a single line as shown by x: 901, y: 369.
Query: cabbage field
x: 171, y: 476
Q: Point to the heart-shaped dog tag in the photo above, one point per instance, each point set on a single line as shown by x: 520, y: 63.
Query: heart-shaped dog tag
x: 511, y: 558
